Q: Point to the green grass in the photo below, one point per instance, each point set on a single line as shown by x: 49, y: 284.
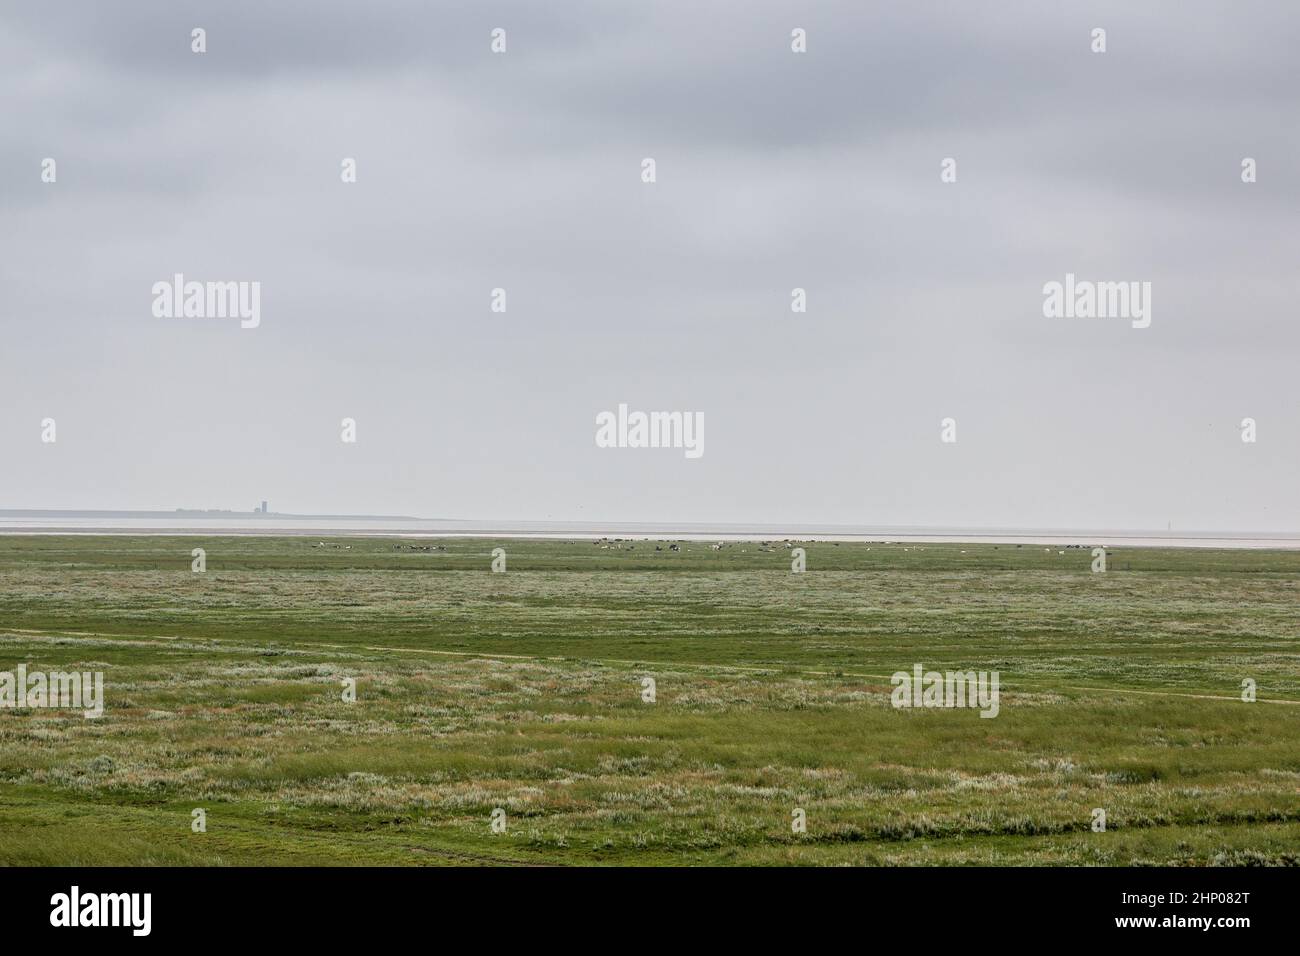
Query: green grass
x: 523, y: 691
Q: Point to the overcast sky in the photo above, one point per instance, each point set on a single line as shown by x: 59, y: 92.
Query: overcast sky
x: 775, y: 170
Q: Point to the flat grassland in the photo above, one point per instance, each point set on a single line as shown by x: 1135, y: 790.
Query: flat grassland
x: 523, y: 691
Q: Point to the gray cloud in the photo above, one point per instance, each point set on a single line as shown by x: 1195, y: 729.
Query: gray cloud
x: 775, y: 171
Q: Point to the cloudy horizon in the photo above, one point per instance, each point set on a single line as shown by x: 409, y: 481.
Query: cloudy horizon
x: 775, y: 171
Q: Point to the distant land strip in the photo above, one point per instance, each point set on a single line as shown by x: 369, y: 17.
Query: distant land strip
x: 182, y: 521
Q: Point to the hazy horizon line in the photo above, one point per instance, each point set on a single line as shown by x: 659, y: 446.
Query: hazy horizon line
x: 616, y: 525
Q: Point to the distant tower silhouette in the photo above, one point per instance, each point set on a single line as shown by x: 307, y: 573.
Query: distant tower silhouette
x: 263, y: 507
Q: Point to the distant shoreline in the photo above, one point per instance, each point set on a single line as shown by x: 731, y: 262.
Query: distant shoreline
x: 204, y: 523
x: 186, y: 514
